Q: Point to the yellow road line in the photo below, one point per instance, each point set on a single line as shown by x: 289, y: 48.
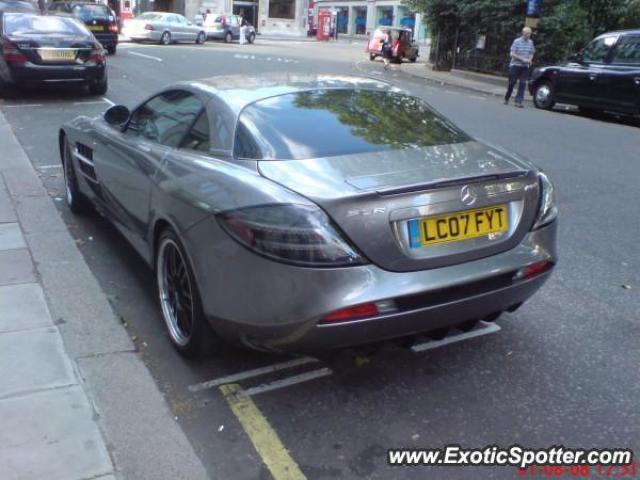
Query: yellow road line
x: 264, y: 438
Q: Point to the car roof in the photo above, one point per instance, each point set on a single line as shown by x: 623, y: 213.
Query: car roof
x: 621, y: 32
x: 238, y: 91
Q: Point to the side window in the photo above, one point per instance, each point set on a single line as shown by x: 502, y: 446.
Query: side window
x: 172, y: 19
x: 628, y: 50
x: 198, y: 136
x: 233, y: 20
x: 165, y: 118
x: 598, y: 50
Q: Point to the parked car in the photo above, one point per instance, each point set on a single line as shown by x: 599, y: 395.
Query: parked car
x: 37, y: 49
x: 345, y: 210
x: 18, y: 6
x: 97, y: 17
x: 226, y: 26
x: 164, y: 28
x: 402, y: 45
x: 605, y: 75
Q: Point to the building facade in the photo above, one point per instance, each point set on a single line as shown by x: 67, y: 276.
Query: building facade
x: 359, y: 18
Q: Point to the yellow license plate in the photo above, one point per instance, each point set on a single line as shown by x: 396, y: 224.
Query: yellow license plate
x: 458, y: 226
x: 53, y: 54
x: 96, y: 28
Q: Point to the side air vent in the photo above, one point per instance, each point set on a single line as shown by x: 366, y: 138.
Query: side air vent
x: 84, y: 155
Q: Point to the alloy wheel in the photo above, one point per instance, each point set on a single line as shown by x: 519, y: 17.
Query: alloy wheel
x: 176, y: 294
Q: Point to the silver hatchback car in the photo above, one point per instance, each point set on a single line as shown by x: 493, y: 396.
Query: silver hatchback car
x: 297, y: 213
x: 164, y: 28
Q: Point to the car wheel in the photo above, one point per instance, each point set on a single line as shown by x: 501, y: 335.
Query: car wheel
x: 228, y: 38
x: 180, y: 301
x: 77, y: 202
x: 165, y: 39
x: 252, y: 38
x: 372, y: 56
x: 100, y: 87
x: 544, y: 96
x: 112, y: 49
x: 201, y: 38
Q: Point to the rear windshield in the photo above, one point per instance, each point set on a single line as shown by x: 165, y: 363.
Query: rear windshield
x: 28, y: 25
x: 89, y: 12
x: 213, y: 19
x: 324, y: 123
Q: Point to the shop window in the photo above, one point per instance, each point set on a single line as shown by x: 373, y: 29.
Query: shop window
x: 282, y: 9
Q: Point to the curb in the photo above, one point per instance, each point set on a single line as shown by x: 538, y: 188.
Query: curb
x: 140, y: 432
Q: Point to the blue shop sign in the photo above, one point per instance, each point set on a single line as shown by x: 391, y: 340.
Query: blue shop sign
x: 533, y: 8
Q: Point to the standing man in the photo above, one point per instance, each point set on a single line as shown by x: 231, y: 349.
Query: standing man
x: 522, y: 51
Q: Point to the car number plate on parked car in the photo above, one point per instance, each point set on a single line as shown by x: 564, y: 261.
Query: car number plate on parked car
x: 52, y: 54
x: 457, y: 226
x: 96, y: 28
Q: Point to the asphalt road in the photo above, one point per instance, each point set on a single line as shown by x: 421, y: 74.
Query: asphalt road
x: 564, y: 369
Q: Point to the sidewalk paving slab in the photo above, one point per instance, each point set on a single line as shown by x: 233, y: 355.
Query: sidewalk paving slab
x: 23, y: 306
x: 33, y: 360
x: 16, y: 267
x: 51, y: 435
x: 11, y: 237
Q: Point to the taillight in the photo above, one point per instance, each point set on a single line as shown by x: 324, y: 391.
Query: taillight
x: 359, y: 312
x: 97, y: 55
x: 533, y: 270
x: 12, y: 54
x: 113, y: 28
x: 148, y: 26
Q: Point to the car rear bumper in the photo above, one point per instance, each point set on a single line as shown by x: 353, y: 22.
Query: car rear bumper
x: 287, y: 303
x: 32, y: 74
x: 107, y: 39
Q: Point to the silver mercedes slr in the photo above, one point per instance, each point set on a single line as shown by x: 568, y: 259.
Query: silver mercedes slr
x: 296, y: 213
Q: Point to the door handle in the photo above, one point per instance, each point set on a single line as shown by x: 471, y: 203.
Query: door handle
x: 593, y: 76
x: 637, y: 80
x: 145, y: 148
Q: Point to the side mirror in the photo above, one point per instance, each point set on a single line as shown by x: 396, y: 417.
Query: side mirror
x: 117, y: 115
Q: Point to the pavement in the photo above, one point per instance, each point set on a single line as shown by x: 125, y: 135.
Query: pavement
x: 76, y: 401
x: 475, y: 82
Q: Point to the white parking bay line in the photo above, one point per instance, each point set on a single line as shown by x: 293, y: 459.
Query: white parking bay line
x: 251, y: 373
x: 484, y: 329
x: 48, y: 167
x: 90, y: 102
x: 150, y: 57
x: 108, y: 101
x: 21, y: 105
x: 286, y: 382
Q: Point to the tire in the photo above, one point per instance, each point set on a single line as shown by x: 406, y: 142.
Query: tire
x: 180, y: 301
x: 165, y: 39
x: 228, y: 38
x: 112, y: 49
x: 77, y: 202
x: 99, y: 88
x: 251, y: 38
x: 201, y: 38
x: 372, y: 56
x: 544, y: 95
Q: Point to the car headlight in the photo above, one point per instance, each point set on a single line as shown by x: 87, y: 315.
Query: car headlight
x: 295, y: 234
x: 547, y: 209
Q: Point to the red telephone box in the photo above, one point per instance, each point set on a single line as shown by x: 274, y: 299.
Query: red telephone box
x: 324, y: 25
